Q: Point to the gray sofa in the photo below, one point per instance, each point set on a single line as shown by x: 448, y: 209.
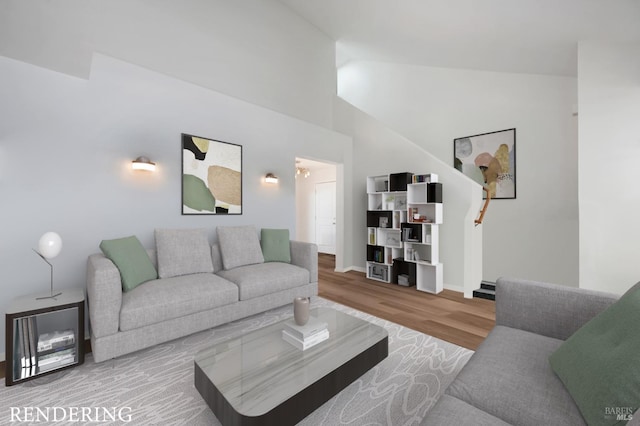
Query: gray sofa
x: 508, y: 380
x: 164, y: 309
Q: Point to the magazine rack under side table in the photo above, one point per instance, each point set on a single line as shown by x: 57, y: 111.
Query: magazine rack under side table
x: 71, y: 300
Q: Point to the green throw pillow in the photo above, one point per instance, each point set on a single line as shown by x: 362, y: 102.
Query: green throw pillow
x: 131, y: 259
x: 600, y: 363
x: 275, y: 245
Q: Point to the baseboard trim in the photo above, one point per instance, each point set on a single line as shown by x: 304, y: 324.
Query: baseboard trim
x: 454, y: 288
x: 351, y: 268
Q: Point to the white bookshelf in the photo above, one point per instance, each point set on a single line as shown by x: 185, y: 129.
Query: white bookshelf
x: 403, y: 234
x: 421, y: 235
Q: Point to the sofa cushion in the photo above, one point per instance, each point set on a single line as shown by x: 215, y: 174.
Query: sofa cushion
x: 265, y: 278
x: 168, y: 298
x: 450, y: 411
x: 182, y: 252
x: 599, y: 363
x: 509, y: 377
x: 239, y: 246
x: 275, y: 245
x: 131, y: 259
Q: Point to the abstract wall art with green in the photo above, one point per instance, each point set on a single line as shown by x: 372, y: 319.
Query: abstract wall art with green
x: 490, y: 160
x: 211, y: 176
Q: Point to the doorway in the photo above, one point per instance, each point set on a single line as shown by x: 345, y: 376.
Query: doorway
x: 325, y: 206
x: 316, y: 200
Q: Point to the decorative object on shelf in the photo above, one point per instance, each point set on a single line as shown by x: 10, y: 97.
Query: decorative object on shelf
x: 211, y: 176
x: 489, y: 159
x: 49, y: 247
x: 143, y: 163
x: 271, y: 178
x: 301, y: 310
x: 390, y: 200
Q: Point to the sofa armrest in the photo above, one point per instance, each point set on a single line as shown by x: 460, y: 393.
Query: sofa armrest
x: 104, y: 292
x: 547, y: 309
x: 305, y: 255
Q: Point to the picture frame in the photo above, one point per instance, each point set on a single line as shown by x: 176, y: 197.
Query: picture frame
x: 211, y: 176
x: 490, y: 160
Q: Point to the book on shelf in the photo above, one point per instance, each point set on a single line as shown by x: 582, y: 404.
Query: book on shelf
x: 56, y: 339
x: 54, y: 366
x: 428, y: 178
x: 304, y: 344
x: 310, y: 329
x: 56, y: 363
x: 57, y: 357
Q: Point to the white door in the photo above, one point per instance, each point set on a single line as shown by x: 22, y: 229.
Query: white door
x: 326, y: 217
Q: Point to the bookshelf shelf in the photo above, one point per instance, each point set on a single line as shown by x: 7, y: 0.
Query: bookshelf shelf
x: 404, y: 211
x: 43, y: 336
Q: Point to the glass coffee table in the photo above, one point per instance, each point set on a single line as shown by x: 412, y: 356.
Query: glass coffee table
x: 259, y: 378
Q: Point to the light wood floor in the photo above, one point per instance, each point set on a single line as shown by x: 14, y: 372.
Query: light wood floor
x: 447, y: 316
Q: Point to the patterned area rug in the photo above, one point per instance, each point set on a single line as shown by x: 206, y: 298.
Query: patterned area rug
x: 155, y: 386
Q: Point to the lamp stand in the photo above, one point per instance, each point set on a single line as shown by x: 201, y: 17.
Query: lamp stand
x: 53, y: 296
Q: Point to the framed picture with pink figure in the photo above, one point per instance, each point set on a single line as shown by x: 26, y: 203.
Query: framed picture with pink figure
x: 490, y: 160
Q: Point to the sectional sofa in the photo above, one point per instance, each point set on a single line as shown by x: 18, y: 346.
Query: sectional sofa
x: 191, y: 285
x: 557, y: 356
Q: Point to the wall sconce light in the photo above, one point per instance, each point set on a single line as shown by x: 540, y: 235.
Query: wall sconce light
x: 143, y: 163
x: 270, y: 178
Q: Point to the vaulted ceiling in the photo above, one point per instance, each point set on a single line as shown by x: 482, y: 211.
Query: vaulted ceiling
x: 522, y: 36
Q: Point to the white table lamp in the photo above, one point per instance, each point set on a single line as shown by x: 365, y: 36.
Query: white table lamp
x: 49, y: 247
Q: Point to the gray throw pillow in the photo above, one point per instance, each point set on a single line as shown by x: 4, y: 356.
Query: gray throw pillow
x: 182, y: 252
x: 239, y: 246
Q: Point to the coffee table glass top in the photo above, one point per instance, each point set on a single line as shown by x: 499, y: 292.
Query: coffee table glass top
x: 259, y: 370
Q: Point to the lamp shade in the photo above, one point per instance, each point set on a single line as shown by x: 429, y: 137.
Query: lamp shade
x: 50, y: 245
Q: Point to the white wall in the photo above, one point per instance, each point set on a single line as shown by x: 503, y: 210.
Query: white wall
x: 609, y: 129
x: 534, y: 236
x: 379, y: 150
x: 256, y: 50
x: 66, y: 146
x: 306, y: 201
